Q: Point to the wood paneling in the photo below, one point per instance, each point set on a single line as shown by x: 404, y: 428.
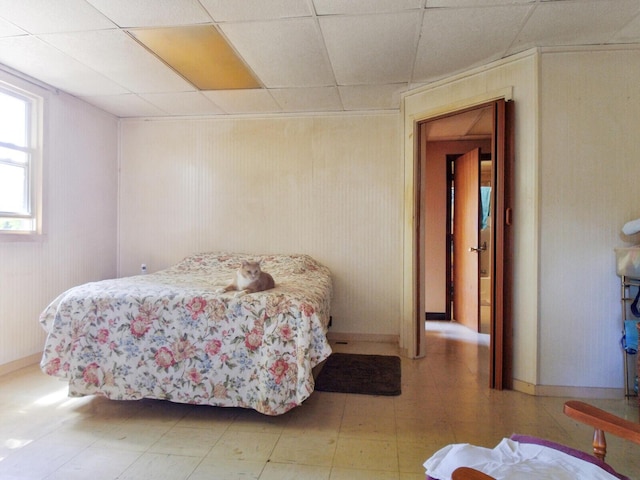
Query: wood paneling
x: 589, y: 171
x: 328, y: 186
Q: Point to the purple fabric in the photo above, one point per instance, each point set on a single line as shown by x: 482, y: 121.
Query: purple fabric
x: 564, y: 449
x: 569, y: 451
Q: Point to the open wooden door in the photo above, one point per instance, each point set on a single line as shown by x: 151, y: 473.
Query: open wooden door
x: 501, y: 358
x: 466, y: 249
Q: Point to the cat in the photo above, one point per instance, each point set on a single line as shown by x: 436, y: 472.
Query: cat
x: 250, y: 278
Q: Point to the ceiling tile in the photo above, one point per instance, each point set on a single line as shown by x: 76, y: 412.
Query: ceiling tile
x: 372, y: 49
x: 319, y: 99
x: 574, y: 23
x: 630, y: 33
x: 339, y: 7
x: 128, y: 105
x: 46, y: 16
x: 372, y: 97
x: 474, y: 3
x: 119, y: 57
x: 235, y: 11
x: 244, y: 101
x: 282, y: 53
x: 33, y: 57
x: 152, y: 13
x: 317, y: 55
x: 8, y: 29
x: 472, y: 45
x: 473, y: 123
x: 183, y: 103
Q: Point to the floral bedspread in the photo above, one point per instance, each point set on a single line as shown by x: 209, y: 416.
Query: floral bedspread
x: 169, y: 335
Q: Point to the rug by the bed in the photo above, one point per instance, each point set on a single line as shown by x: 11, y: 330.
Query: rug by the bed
x: 363, y: 374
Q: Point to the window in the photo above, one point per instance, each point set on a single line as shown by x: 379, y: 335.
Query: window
x: 20, y: 161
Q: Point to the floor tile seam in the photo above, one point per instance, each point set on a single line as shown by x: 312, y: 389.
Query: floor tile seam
x: 366, y: 417
x: 389, y: 438
x: 34, y: 440
x: 559, y: 424
x: 335, y: 449
x: 172, y: 455
x: 178, y: 454
x: 491, y: 424
x: 360, y: 469
x: 396, y: 440
x: 217, y: 441
x: 364, y: 437
x: 82, y: 451
x: 336, y: 468
x: 303, y: 434
x: 337, y: 437
x: 276, y: 464
x: 202, y: 461
x: 221, y: 439
x: 58, y: 430
x: 355, y: 432
x: 305, y: 463
x: 148, y: 449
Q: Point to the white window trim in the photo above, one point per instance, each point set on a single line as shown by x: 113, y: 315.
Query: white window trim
x: 35, y: 148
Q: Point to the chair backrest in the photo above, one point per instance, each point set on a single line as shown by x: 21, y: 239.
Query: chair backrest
x: 602, y: 422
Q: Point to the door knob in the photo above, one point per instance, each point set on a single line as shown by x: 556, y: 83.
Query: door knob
x: 479, y: 249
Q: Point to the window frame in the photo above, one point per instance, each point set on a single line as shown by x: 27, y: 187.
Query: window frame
x: 34, y: 150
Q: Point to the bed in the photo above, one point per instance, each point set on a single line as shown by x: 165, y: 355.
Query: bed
x: 170, y: 335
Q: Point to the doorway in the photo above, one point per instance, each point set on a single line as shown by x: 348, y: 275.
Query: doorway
x: 486, y: 127
x: 469, y: 239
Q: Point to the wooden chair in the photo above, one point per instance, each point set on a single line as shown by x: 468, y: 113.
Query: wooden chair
x: 600, y: 420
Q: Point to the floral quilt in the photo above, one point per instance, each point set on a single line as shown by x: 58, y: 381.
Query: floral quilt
x: 170, y: 335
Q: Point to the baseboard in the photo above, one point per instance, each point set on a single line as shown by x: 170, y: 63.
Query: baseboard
x: 565, y: 391
x: 6, y: 368
x: 435, y: 316
x: 363, y: 337
x: 524, y: 387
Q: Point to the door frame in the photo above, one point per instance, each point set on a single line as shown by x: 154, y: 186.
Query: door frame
x: 501, y: 345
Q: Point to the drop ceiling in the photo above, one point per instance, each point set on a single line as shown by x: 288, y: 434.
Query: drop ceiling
x: 307, y: 55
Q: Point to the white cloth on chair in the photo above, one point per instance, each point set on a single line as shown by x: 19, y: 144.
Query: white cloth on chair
x: 514, y: 461
x: 632, y: 227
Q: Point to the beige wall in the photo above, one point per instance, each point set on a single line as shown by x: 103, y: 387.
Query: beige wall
x: 328, y: 186
x: 79, y: 245
x: 589, y: 171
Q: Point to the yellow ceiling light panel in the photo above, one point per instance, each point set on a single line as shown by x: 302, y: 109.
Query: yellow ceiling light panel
x: 200, y: 54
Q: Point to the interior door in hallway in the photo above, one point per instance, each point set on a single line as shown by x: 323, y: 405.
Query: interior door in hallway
x: 466, y: 248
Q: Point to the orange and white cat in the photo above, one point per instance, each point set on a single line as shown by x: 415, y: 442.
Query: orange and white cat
x: 250, y: 278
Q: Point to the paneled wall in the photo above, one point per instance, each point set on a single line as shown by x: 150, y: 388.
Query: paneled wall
x: 328, y: 186
x: 79, y: 242
x: 589, y: 171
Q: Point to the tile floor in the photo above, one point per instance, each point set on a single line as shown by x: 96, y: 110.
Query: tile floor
x: 45, y: 435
